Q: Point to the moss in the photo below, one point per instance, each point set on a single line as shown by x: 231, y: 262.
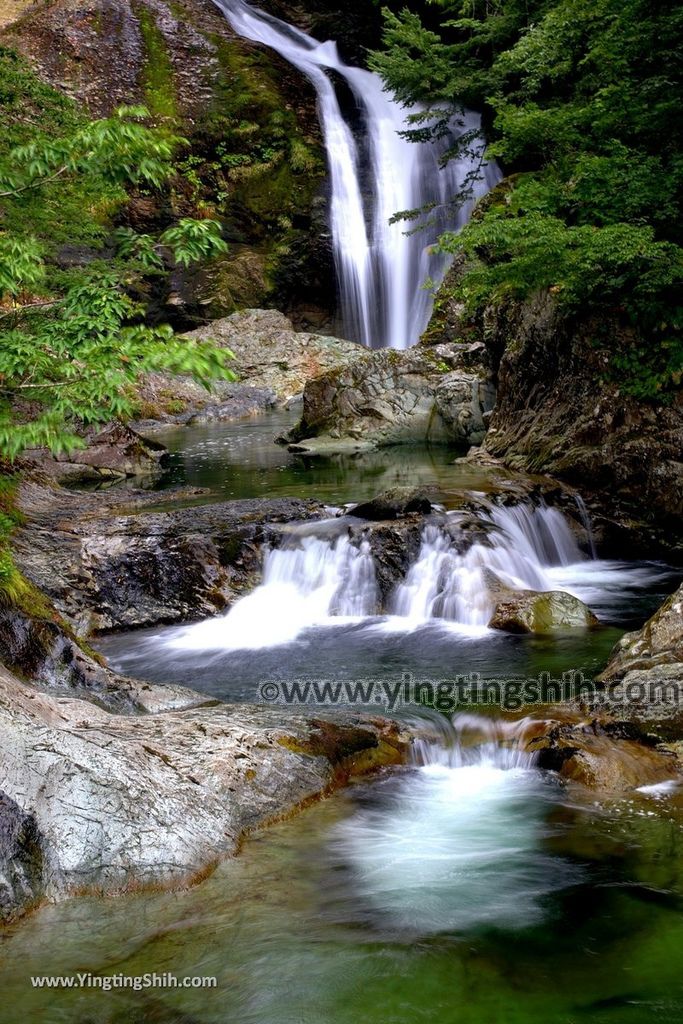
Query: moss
x: 158, y: 81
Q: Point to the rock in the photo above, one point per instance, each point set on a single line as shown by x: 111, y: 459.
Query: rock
x: 271, y: 355
x: 39, y: 646
x: 113, y: 453
x: 106, y: 564
x: 273, y: 362
x: 603, y: 754
x: 21, y: 860
x: 528, y: 611
x: 659, y: 642
x: 388, y: 397
x: 118, y: 801
x: 394, y: 503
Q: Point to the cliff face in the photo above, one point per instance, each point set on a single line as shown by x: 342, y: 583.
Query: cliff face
x: 558, y: 411
x: 254, y: 157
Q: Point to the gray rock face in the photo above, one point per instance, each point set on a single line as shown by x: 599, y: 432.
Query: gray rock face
x: 270, y: 354
x: 658, y: 642
x: 43, y: 649
x: 528, y: 611
x: 105, y: 569
x: 388, y: 397
x: 115, y: 801
x: 273, y: 362
x: 21, y: 860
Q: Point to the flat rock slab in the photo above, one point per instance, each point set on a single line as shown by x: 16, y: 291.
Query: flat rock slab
x: 119, y: 801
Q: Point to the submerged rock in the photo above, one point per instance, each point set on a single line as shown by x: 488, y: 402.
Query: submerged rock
x: 388, y: 397
x: 528, y: 611
x: 113, y: 802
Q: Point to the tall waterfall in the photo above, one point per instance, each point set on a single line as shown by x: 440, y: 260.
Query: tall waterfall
x: 381, y: 267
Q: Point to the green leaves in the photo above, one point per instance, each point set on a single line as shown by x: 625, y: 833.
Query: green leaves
x: 72, y: 358
x: 79, y: 365
x: 583, y: 101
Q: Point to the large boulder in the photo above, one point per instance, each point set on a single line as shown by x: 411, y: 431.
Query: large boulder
x: 273, y: 363
x: 110, y: 802
x: 385, y: 397
x: 659, y: 642
x: 531, y: 611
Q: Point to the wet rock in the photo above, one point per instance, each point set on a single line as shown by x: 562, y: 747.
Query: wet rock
x: 396, y: 502
x: 123, y: 801
x: 21, y: 860
x: 528, y: 611
x: 38, y: 646
x: 114, y: 453
x: 388, y: 397
x: 105, y: 566
x: 606, y: 755
x: 659, y: 642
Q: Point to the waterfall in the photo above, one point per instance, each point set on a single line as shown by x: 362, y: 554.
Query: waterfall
x: 523, y: 544
x: 311, y: 581
x: 457, y: 844
x: 381, y: 268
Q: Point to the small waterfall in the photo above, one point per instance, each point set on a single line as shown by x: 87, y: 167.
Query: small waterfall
x: 457, y: 845
x: 311, y: 581
x: 381, y: 267
x: 523, y: 545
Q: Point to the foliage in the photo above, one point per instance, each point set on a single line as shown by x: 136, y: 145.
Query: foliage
x: 73, y: 341
x: 581, y: 103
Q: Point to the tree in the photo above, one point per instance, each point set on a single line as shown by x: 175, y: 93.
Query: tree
x: 74, y: 343
x: 581, y: 106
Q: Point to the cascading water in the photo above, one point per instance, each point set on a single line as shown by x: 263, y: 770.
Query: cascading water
x: 323, y: 578
x: 524, y: 544
x: 458, y: 844
x: 312, y: 582
x: 381, y: 268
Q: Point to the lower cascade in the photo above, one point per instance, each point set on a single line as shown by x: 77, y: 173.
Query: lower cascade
x: 381, y: 267
x: 316, y: 579
x: 457, y: 844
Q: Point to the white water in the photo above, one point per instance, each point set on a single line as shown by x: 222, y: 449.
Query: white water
x: 457, y: 844
x: 523, y: 545
x: 318, y: 580
x: 313, y: 582
x: 381, y: 269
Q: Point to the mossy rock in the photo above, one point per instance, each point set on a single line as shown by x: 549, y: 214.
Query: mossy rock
x: 528, y: 611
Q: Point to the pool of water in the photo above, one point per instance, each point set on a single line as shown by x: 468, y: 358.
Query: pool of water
x: 473, y: 892
x: 241, y: 460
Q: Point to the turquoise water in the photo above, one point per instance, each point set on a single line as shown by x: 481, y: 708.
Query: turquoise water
x: 294, y: 930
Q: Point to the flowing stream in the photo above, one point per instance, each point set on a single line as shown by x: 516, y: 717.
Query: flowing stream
x: 466, y: 888
x: 382, y: 268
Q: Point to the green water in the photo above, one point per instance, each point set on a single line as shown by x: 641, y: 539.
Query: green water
x: 242, y: 460
x: 284, y: 933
